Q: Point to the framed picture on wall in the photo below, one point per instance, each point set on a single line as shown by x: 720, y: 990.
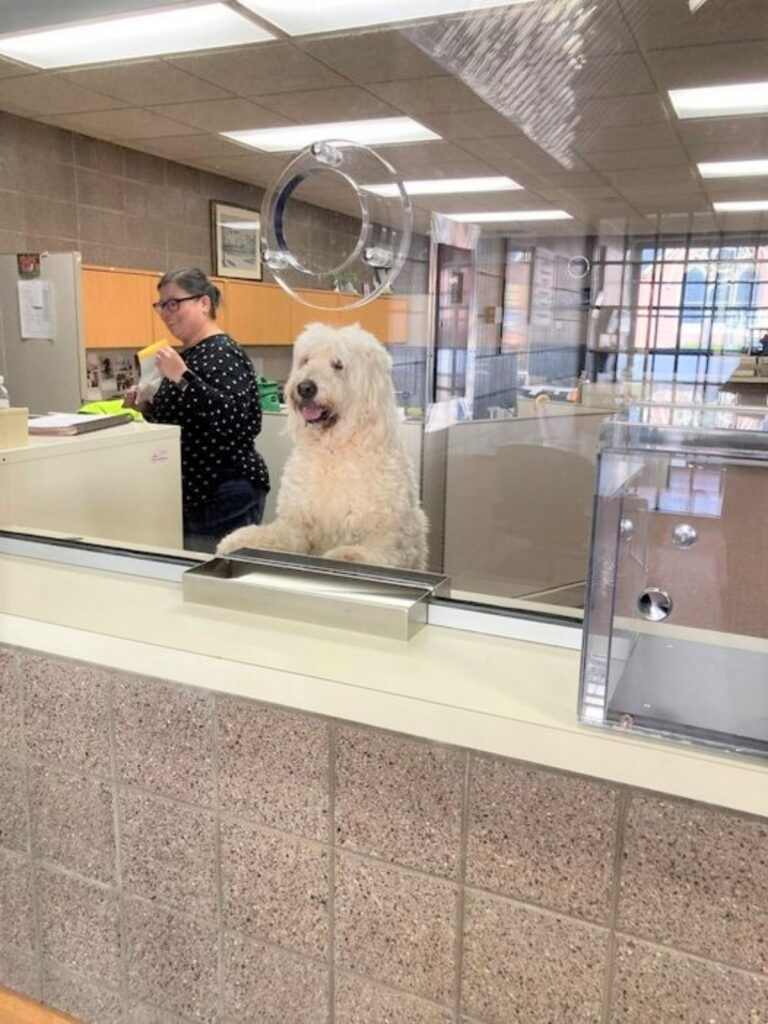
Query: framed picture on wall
x: 236, y: 237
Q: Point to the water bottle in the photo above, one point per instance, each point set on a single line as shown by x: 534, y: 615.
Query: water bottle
x: 5, y: 401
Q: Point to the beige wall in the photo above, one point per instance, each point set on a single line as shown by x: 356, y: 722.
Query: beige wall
x: 168, y: 855
x: 119, y: 207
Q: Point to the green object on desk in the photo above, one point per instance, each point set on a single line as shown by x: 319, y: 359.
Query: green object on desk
x: 110, y: 407
x: 269, y: 392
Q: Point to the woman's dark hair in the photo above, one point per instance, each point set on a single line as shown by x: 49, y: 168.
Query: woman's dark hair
x: 193, y: 281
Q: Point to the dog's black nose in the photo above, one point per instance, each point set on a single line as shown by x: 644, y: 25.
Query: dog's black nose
x: 307, y: 389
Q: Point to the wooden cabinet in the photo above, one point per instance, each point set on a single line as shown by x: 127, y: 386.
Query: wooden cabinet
x: 118, y: 311
x: 258, y: 314
x: 117, y: 308
x: 385, y: 317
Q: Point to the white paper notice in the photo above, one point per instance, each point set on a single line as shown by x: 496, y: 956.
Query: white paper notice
x: 36, y: 309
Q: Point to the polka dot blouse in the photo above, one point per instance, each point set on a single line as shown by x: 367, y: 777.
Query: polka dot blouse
x: 219, y: 414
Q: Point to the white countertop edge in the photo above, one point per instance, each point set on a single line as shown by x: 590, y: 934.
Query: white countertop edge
x: 738, y: 783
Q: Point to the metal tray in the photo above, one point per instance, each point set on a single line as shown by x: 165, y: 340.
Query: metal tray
x: 362, y: 598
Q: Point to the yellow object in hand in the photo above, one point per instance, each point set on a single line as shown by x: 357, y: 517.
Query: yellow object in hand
x: 150, y: 350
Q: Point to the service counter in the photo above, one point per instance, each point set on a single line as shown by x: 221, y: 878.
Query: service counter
x: 239, y: 818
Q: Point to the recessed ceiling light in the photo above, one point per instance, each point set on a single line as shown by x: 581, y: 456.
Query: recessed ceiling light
x: 734, y: 169
x: 383, y: 131
x: 176, y: 30
x: 447, y: 186
x: 301, y: 17
x: 741, y: 205
x: 721, y: 100
x: 508, y: 215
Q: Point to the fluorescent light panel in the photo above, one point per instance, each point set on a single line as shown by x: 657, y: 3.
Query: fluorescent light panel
x: 176, y: 30
x: 734, y: 169
x: 721, y: 100
x: 302, y: 17
x: 510, y: 215
x: 741, y: 205
x: 447, y: 186
x: 383, y: 131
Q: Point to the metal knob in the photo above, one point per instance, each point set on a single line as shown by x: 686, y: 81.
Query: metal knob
x: 684, y: 535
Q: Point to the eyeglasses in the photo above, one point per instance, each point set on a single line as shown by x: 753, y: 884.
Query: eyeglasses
x: 171, y: 305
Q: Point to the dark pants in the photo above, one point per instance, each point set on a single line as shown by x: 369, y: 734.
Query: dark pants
x: 234, y: 503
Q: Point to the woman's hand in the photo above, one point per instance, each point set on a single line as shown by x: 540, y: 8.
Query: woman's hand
x: 170, y: 364
x: 131, y: 400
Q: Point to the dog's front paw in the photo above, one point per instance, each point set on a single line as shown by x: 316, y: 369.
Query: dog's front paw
x: 346, y: 553
x: 245, y: 537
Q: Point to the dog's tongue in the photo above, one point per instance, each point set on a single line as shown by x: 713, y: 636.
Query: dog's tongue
x: 311, y: 413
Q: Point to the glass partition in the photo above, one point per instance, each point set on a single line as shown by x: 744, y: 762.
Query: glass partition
x: 580, y: 242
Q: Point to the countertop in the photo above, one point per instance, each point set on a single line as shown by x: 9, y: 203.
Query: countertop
x: 493, y: 694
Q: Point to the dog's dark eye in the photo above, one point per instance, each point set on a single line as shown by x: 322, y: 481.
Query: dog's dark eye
x: 337, y: 364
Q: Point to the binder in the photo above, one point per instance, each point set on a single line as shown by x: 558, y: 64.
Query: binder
x: 64, y: 424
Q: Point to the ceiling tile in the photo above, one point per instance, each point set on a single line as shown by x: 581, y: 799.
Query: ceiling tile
x: 373, y: 57
x: 220, y: 115
x: 679, y: 175
x: 661, y: 23
x: 605, y: 140
x: 129, y: 123
x: 344, y: 103
x: 670, y: 156
x: 438, y: 95
x: 50, y: 94
x: 261, y: 69
x: 661, y: 189
x: 583, y: 179
x: 178, y: 147
x: 623, y: 74
x: 10, y: 69
x: 736, y: 188
x: 144, y: 82
x: 723, y: 64
x: 509, y: 154
x: 559, y: 195
x: 742, y: 151
x: 470, y: 124
x: 739, y: 132
x: 612, y: 111
x: 671, y: 204
x: 434, y: 159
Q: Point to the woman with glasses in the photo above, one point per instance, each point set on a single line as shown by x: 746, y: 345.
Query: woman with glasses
x: 209, y: 389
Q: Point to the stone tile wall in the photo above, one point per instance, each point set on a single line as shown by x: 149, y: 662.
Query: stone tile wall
x: 171, y: 855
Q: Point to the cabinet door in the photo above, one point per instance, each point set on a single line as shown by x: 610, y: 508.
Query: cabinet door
x: 302, y: 315
x: 117, y: 308
x: 259, y: 314
x: 385, y: 317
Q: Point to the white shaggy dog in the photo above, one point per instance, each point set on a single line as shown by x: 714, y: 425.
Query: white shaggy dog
x: 348, y: 490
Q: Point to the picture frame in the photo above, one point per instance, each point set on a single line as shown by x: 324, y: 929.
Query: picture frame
x: 236, y: 241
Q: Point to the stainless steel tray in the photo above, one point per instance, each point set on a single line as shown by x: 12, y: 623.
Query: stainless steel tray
x: 362, y: 598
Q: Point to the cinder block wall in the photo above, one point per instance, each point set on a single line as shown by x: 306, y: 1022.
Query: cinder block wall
x: 171, y: 855
x: 121, y: 208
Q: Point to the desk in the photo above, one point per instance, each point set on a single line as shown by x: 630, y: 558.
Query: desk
x: 122, y: 483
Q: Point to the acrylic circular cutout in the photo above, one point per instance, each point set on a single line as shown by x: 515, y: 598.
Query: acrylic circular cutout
x: 336, y: 225
x: 579, y: 267
x: 654, y: 604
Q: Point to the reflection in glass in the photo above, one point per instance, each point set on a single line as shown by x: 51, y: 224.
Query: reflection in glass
x: 504, y: 363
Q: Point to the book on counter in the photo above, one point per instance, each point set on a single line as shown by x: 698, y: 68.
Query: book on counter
x: 65, y: 424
